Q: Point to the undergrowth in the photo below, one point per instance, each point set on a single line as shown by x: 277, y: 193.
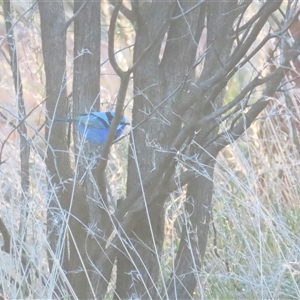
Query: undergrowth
x: 254, y: 244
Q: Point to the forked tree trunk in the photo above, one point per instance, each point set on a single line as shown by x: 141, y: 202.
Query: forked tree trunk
x: 197, y: 216
x: 174, y: 100
x: 159, y: 77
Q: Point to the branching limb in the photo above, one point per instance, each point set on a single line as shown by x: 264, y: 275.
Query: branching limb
x: 71, y: 20
x: 125, y: 11
x: 203, y: 86
x: 111, y: 40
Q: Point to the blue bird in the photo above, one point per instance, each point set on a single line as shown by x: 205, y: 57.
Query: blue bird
x: 94, y: 127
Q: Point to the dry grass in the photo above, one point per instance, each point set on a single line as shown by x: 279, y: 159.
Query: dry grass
x: 256, y: 215
x: 256, y: 203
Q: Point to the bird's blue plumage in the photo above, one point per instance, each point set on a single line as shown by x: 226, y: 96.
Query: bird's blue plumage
x: 94, y: 127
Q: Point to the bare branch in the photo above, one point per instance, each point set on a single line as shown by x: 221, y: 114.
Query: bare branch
x: 125, y: 11
x: 189, y: 10
x: 238, y: 54
x: 111, y: 40
x: 71, y: 20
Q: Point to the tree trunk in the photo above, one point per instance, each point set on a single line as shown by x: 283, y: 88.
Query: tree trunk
x: 188, y: 262
x: 67, y: 211
x: 158, y: 76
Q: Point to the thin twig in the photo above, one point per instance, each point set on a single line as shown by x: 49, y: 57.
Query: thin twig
x: 13, y: 26
x: 24, y: 147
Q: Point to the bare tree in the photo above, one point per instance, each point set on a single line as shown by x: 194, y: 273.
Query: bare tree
x: 185, y: 55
